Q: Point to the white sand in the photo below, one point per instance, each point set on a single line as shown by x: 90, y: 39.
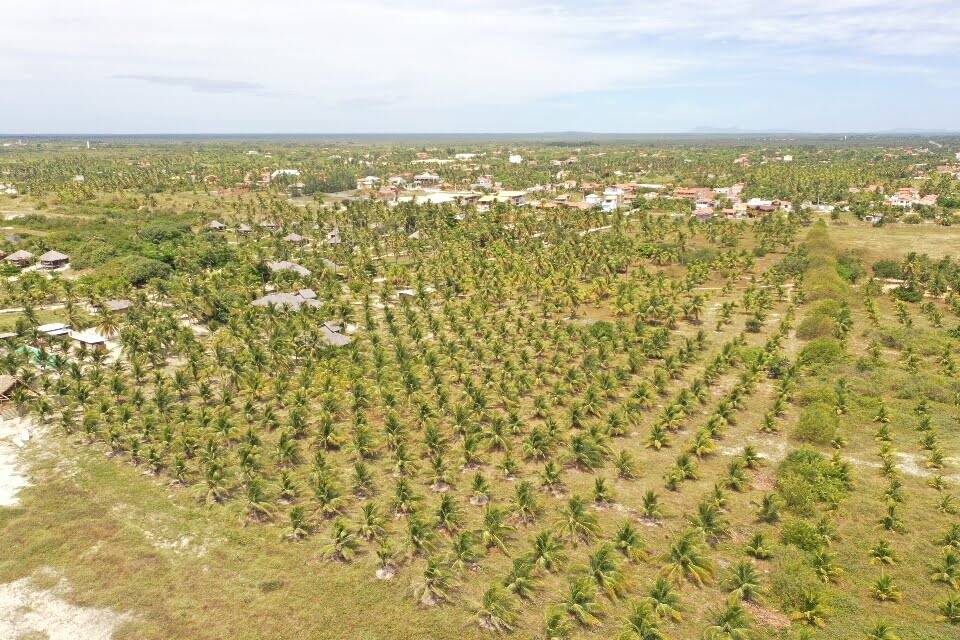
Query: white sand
x: 14, y: 435
x: 26, y: 609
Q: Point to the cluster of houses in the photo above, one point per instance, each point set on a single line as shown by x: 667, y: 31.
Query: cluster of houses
x: 909, y: 197
x: 50, y: 260
x: 332, y: 236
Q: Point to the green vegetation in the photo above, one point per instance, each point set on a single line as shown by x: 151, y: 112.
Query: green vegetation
x: 530, y: 421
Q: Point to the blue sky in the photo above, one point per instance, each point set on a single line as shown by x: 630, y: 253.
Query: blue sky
x: 218, y: 66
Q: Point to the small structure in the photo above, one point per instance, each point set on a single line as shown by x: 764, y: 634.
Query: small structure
x: 333, y: 337
x: 119, y: 305
x: 244, y: 229
x: 54, y: 329
x: 285, y: 301
x: 307, y: 294
x: 295, y: 238
x: 286, y: 265
x: 21, y: 258
x: 90, y: 339
x: 333, y: 236
x: 216, y: 225
x: 54, y: 260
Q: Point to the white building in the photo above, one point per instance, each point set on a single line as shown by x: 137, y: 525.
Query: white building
x: 515, y: 158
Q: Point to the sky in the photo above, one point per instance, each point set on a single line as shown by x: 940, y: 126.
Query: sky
x: 374, y: 66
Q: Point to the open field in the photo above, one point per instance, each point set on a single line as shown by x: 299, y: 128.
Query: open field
x: 896, y: 241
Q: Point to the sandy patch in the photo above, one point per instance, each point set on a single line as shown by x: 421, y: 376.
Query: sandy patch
x: 27, y: 610
x: 766, y: 616
x: 15, y: 433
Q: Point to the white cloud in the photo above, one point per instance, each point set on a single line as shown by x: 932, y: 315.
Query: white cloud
x: 341, y: 59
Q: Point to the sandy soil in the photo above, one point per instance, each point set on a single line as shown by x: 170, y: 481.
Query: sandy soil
x: 15, y: 433
x: 27, y: 610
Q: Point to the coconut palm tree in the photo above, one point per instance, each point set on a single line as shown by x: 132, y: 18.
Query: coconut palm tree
x: 495, y: 530
x: 576, y: 522
x: 603, y: 568
x: 581, y: 604
x: 628, y: 541
x: 730, y: 624
x: 665, y: 600
x: 343, y: 542
x: 744, y: 582
x: 497, y: 610
x: 519, y: 580
x: 686, y: 559
x: 641, y: 623
x: 810, y: 610
x: 435, y: 585
x: 881, y: 631
x: 547, y: 552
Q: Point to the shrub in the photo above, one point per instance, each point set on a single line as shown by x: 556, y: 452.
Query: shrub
x: 818, y: 424
x: 850, y: 267
x: 801, y: 534
x: 791, y: 578
x: 816, y: 326
x: 908, y: 293
x: 806, y: 478
x: 135, y: 270
x: 821, y: 352
x: 888, y: 269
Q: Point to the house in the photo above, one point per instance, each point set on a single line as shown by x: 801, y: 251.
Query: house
x: 286, y: 265
x: 20, y: 258
x: 90, y: 339
x: 296, y: 189
x: 368, y: 182
x: 54, y: 329
x: 333, y: 236
x: 331, y: 333
x: 285, y: 301
x: 426, y: 179
x: 54, y: 260
x: 929, y: 200
x: 307, y: 294
x: 244, y: 229
x: 515, y: 158
x: 295, y: 238
x: 397, y: 181
x: 516, y: 198
x: 216, y: 225
x: 483, y: 182
x: 592, y: 199
x: 119, y: 305
x: 693, y: 193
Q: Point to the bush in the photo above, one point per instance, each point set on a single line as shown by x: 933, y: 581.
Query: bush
x: 850, y: 267
x: 907, y: 293
x: 816, y: 326
x: 802, y: 535
x: 818, y: 424
x: 135, y: 270
x: 888, y: 269
x: 821, y: 352
x: 791, y: 578
x: 806, y: 478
